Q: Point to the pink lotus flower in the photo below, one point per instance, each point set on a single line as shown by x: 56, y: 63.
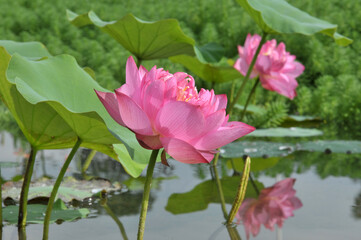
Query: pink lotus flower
x: 166, y: 111
x: 276, y: 68
x: 273, y: 206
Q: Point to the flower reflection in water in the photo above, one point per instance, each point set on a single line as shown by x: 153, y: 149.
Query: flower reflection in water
x: 273, y: 206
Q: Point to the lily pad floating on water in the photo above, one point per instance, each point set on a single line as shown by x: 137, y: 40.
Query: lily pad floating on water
x: 36, y: 213
x: 70, y: 189
x: 257, y: 149
x: 286, y: 132
x: 205, y: 193
x: 278, y: 16
x: 337, y: 146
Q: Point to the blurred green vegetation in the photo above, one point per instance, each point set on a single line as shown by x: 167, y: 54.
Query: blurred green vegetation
x: 329, y: 88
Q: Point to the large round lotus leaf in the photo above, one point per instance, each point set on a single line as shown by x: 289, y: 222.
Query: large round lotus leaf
x: 286, y: 132
x: 337, y: 146
x: 30, y: 50
x: 36, y: 213
x: 54, y: 103
x: 146, y: 40
x: 257, y: 149
x: 278, y: 16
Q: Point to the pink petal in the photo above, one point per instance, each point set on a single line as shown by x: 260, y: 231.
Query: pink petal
x: 280, y: 83
x: 182, y: 151
x: 133, y: 116
x: 181, y: 120
x: 224, y: 135
x: 222, y: 101
x: 153, y: 98
x: 149, y: 142
x: 110, y: 103
x: 133, y: 80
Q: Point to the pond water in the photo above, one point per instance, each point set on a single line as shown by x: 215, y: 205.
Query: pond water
x: 331, y: 198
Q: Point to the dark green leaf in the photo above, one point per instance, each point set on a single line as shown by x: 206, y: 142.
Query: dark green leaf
x: 36, y: 213
x: 146, y: 40
x: 209, y: 53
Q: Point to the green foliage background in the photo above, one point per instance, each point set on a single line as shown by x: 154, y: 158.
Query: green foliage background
x: 329, y: 88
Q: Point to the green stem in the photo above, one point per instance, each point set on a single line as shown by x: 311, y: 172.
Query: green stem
x: 25, y: 189
x: 231, y: 95
x: 249, y: 99
x: 233, y: 233
x: 253, y: 62
x: 56, y: 188
x: 215, y: 161
x: 241, y: 191
x: 145, y: 201
x: 22, y: 233
x: 88, y: 160
x: 220, y: 193
x: 113, y: 216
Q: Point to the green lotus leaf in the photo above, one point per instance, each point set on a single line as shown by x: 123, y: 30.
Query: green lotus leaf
x: 30, y: 50
x: 286, y: 132
x: 336, y: 146
x: 209, y: 53
x: 257, y: 149
x: 207, y: 71
x: 146, y: 40
x: 205, y: 193
x: 36, y: 213
x: 70, y: 189
x: 278, y: 16
x: 53, y: 102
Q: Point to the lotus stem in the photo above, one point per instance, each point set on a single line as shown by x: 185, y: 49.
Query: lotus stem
x: 249, y: 99
x: 216, y: 157
x: 220, y: 193
x: 253, y: 62
x: 22, y: 233
x: 56, y: 188
x: 241, y: 191
x: 145, y: 201
x: 88, y: 160
x: 25, y: 189
x: 104, y: 204
x: 231, y: 95
x: 233, y: 233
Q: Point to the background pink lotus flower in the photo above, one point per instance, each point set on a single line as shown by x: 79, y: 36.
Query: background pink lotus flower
x: 276, y: 68
x: 273, y: 206
x: 166, y: 111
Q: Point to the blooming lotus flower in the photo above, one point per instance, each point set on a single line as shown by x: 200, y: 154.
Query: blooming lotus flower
x: 165, y: 110
x: 273, y: 206
x: 276, y: 68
